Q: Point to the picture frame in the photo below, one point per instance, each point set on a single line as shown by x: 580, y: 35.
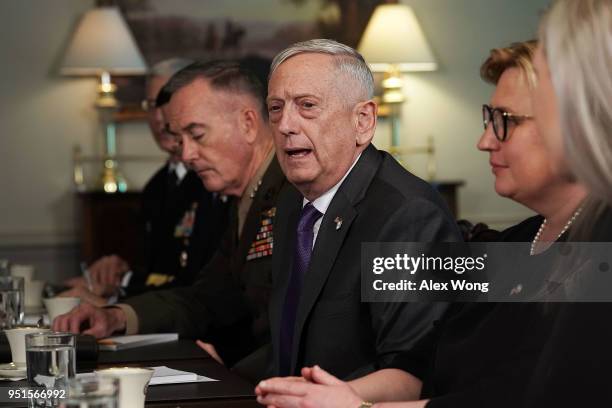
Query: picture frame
x: 230, y: 29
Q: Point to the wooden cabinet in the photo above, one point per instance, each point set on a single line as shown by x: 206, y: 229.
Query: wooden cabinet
x: 111, y: 224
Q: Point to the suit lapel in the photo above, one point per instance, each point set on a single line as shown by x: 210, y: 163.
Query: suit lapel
x: 328, y: 244
x: 282, y: 258
x: 330, y: 239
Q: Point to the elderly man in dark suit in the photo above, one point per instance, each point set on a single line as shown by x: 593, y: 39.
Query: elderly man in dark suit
x: 347, y: 192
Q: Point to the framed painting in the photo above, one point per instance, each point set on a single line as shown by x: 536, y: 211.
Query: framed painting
x: 233, y: 29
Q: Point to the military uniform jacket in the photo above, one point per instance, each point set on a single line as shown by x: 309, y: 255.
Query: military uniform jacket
x: 182, y: 225
x: 227, y: 305
x: 379, y: 201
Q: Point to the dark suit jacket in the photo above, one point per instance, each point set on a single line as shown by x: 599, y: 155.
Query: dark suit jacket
x: 164, y: 207
x: 228, y: 303
x: 379, y: 201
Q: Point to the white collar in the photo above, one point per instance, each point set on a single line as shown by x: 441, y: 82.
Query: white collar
x: 322, y: 203
x: 179, y: 168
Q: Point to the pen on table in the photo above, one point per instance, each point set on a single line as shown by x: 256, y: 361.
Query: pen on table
x: 85, y: 273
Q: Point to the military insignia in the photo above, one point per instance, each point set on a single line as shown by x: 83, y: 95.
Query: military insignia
x: 185, y: 227
x: 264, y: 240
x: 183, y: 259
x: 158, y: 279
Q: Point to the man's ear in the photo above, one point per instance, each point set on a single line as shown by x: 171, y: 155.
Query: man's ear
x: 365, y: 122
x: 248, y: 124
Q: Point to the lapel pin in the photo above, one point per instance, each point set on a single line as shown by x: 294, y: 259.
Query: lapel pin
x: 338, y: 221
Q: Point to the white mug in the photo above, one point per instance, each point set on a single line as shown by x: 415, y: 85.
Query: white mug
x: 33, y: 293
x: 60, y: 305
x: 133, y: 383
x: 16, y: 338
x: 24, y: 271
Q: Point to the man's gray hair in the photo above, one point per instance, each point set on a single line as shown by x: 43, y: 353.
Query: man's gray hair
x: 348, y: 60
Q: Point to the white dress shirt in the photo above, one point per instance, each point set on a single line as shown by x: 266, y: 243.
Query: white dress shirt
x: 180, y: 170
x: 323, y: 202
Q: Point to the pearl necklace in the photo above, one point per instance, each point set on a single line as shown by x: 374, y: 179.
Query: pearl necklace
x: 569, y: 222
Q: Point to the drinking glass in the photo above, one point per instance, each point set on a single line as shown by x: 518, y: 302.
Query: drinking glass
x: 91, y: 392
x: 51, y: 363
x: 11, y: 301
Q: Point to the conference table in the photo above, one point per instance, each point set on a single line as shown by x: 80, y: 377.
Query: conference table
x: 230, y: 391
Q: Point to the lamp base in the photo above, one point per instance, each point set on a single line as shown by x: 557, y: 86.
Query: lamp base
x: 111, y: 180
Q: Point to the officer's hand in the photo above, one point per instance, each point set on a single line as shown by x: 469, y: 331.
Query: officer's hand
x: 210, y: 349
x: 79, y: 286
x: 75, y: 282
x: 85, y: 295
x: 108, y: 271
x: 91, y: 320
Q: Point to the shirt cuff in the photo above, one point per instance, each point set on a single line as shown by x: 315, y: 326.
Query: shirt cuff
x: 131, y: 318
x: 125, y: 281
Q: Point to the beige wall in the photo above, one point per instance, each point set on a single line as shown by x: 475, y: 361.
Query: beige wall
x: 43, y: 115
x: 446, y: 103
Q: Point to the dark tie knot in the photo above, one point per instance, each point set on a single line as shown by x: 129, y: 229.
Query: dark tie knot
x: 308, y: 217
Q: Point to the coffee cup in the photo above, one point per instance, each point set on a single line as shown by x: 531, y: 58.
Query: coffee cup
x: 24, y: 271
x: 16, y: 338
x: 133, y: 384
x: 33, y: 293
x: 60, y: 305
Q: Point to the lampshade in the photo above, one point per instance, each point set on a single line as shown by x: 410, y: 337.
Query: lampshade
x: 101, y: 43
x: 394, y: 36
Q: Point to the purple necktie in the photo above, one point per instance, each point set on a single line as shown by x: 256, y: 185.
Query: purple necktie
x: 301, y: 260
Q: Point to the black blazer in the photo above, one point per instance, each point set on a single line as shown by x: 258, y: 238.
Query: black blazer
x: 379, y: 201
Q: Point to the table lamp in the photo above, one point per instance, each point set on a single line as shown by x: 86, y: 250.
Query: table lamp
x: 393, y: 42
x: 102, y: 45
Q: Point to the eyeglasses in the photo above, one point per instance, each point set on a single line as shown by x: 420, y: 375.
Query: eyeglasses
x: 500, y: 120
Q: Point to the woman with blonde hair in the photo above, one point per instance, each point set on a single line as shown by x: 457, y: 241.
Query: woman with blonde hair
x: 573, y: 112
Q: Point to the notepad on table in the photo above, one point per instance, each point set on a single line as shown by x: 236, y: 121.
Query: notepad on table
x: 165, y: 375
x: 137, y: 340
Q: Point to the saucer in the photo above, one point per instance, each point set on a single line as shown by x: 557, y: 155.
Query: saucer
x: 11, y: 370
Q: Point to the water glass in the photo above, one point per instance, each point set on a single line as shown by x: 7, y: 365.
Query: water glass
x: 51, y: 363
x: 11, y: 301
x: 92, y: 392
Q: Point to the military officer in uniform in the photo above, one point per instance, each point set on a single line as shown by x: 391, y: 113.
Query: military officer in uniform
x: 182, y: 221
x: 218, y: 112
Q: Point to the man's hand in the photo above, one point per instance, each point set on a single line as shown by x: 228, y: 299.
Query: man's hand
x: 100, y: 322
x: 77, y: 281
x: 211, y: 350
x: 79, y: 285
x: 325, y: 391
x: 108, y: 271
x: 85, y: 296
